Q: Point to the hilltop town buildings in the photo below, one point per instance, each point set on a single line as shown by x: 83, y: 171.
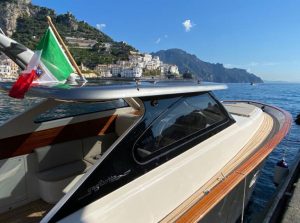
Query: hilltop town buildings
x: 81, y: 42
x: 138, y: 64
x: 8, y: 69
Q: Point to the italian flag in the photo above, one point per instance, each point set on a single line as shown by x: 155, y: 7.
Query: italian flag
x: 48, y: 65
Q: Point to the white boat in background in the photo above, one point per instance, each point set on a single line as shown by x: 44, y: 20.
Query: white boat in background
x: 134, y: 152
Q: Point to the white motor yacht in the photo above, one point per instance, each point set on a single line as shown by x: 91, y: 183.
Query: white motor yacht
x: 112, y: 151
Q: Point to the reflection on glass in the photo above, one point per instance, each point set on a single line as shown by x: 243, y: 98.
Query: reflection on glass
x: 73, y: 109
x: 187, y: 117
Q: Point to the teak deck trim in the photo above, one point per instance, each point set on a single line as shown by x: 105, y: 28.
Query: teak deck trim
x: 198, y: 205
x: 29, y: 213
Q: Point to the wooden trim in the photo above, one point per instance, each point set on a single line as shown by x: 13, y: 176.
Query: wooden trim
x: 107, y: 125
x: 26, y: 143
x: 197, y: 210
x: 29, y: 213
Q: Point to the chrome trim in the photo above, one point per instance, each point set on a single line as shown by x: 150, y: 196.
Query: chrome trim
x: 116, y: 91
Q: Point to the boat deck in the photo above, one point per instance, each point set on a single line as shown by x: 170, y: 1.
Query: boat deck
x: 29, y: 213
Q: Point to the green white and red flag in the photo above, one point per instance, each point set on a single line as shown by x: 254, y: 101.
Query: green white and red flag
x: 48, y: 65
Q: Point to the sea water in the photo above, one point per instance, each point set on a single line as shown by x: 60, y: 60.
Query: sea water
x: 283, y: 95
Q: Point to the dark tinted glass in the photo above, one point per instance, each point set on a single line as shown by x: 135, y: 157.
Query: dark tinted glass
x: 73, y: 109
x: 190, y: 115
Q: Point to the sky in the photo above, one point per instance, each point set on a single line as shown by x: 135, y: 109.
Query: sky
x: 262, y: 36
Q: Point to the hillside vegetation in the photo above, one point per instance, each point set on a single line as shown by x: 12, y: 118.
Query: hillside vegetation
x: 28, y: 23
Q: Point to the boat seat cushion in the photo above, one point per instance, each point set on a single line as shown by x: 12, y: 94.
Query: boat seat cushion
x: 64, y: 171
x: 124, y: 121
x: 52, y: 182
x: 59, y: 154
x: 52, y: 192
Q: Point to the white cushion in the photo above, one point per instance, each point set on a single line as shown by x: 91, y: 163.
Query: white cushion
x: 52, y: 192
x: 52, y: 182
x: 63, y: 171
x: 58, y: 154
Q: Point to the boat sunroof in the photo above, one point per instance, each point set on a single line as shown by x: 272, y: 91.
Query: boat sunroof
x: 108, y: 90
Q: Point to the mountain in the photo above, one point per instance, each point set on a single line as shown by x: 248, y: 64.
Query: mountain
x: 205, y: 71
x: 26, y: 23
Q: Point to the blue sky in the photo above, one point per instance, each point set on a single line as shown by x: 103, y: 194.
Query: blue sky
x: 262, y: 36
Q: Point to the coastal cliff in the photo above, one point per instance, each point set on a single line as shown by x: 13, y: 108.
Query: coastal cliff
x: 10, y: 11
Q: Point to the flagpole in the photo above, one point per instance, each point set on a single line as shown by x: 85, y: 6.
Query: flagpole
x: 69, y: 55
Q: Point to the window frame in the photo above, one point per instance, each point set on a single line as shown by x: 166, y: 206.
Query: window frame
x: 196, y: 137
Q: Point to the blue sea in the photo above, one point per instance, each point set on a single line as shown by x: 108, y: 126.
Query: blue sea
x: 283, y: 95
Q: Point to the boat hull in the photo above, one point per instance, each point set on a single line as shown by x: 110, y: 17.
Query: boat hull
x: 231, y: 207
x: 226, y: 201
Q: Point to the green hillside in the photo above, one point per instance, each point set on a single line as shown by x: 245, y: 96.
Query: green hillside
x: 30, y: 28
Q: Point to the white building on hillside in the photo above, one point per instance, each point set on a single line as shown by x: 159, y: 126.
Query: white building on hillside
x: 135, y: 66
x: 153, y: 64
x: 116, y: 70
x: 5, y: 70
x: 81, y: 42
x: 136, y: 58
x: 131, y: 72
x: 174, y: 69
x: 103, y: 70
x: 124, y: 63
x: 169, y: 69
x: 147, y: 57
x: 14, y: 68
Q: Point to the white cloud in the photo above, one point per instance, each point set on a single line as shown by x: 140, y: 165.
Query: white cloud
x: 253, y: 64
x: 229, y: 65
x: 188, y: 25
x: 161, y: 38
x: 101, y: 26
x: 270, y: 64
x: 158, y: 40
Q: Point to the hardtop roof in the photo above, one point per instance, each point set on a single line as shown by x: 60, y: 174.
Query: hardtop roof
x: 111, y: 89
